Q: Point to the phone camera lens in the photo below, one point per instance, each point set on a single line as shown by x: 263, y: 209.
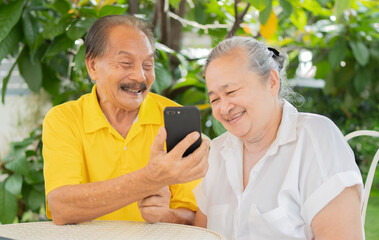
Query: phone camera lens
x: 171, y: 112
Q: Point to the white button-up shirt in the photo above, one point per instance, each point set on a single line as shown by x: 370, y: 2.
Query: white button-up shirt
x: 306, y: 167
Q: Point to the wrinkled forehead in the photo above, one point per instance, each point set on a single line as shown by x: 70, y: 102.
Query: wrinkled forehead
x: 126, y: 39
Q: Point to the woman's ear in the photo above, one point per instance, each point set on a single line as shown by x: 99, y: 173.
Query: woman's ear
x: 91, y: 68
x: 274, y: 82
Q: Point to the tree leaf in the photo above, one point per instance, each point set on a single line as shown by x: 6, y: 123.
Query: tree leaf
x: 361, y: 79
x: 18, y: 164
x: 259, y: 4
x: 163, y: 78
x: 360, y: 51
x: 59, y: 44
x: 30, y: 70
x: 79, y: 29
x: 217, y: 126
x: 338, y: 53
x: 5, y: 82
x: 10, y: 45
x: 340, y: 6
x: 79, y: 58
x: 13, y: 184
x: 8, y: 205
x: 34, y: 199
x: 56, y: 28
x: 112, y: 9
x: 314, y: 7
x: 265, y: 13
x: 62, y: 6
x: 30, y: 27
x: 268, y: 30
x: 50, y: 81
x: 299, y: 18
x: 9, y: 15
x: 287, y: 7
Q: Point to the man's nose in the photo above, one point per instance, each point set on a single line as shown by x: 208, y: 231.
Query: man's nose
x: 138, y: 73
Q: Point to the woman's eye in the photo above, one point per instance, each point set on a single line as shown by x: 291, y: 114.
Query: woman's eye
x: 214, y: 100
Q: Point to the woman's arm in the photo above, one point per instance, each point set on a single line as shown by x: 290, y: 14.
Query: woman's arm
x: 340, y: 218
x: 200, y: 219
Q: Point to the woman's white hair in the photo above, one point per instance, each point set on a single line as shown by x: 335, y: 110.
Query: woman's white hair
x: 261, y: 60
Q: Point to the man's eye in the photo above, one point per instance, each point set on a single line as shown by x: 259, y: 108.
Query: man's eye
x: 148, y: 66
x: 126, y: 63
x: 230, y: 92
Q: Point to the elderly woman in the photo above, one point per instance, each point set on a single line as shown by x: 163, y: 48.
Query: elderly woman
x: 276, y: 173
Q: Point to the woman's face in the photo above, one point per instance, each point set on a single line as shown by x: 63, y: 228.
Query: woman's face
x: 240, y: 100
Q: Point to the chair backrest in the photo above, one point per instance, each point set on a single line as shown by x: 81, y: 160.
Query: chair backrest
x: 371, y: 172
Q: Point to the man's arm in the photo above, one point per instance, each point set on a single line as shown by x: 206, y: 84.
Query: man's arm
x: 156, y: 208
x: 85, y: 202
x: 340, y: 219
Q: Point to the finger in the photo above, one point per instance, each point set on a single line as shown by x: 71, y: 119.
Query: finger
x: 183, y: 145
x: 201, y: 167
x: 158, y: 144
x: 197, y: 155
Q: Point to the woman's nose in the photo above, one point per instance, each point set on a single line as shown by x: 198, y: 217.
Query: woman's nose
x: 225, y: 106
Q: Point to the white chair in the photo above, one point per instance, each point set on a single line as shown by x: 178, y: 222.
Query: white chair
x: 371, y: 172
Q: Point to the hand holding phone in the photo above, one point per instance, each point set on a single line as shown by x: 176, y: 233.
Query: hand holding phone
x: 179, y: 122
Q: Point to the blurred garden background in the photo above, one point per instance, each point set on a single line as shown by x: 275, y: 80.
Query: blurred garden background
x: 333, y: 47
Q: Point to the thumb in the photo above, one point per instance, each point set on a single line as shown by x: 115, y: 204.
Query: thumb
x: 158, y: 144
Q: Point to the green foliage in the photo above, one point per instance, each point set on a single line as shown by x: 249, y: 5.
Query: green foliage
x: 22, y: 187
x: 46, y: 39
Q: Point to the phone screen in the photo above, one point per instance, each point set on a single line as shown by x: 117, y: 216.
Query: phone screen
x: 179, y: 122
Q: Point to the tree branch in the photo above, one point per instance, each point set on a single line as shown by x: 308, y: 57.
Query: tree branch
x: 133, y: 7
x: 238, y: 18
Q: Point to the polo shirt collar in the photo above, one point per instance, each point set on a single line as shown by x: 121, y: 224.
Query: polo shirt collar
x: 93, y: 116
x: 95, y: 119
x: 149, y: 112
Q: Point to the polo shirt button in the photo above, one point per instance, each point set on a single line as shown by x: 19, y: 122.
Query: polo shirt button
x: 125, y: 148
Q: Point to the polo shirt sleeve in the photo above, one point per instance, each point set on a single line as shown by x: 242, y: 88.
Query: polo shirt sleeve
x: 62, y: 152
x: 328, y: 169
x: 182, y: 195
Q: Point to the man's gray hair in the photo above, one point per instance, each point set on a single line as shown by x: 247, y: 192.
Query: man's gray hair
x: 261, y: 59
x: 96, y: 41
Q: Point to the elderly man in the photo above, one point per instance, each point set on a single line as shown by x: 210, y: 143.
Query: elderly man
x: 104, y: 153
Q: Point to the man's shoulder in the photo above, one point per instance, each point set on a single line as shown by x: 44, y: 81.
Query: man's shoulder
x: 161, y: 101
x: 74, y: 107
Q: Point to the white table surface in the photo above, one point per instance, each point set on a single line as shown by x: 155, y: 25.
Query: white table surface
x: 106, y: 230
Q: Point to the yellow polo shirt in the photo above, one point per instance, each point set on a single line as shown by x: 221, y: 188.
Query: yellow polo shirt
x: 80, y: 146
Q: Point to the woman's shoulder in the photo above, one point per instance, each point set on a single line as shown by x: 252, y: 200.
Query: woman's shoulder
x: 317, y: 125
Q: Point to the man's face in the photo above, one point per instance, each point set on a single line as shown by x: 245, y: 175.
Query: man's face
x: 125, y: 73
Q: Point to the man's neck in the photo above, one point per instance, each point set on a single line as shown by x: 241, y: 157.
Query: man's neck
x: 120, y: 119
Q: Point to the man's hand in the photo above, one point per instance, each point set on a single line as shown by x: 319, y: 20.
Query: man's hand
x: 156, y: 207
x: 171, y: 168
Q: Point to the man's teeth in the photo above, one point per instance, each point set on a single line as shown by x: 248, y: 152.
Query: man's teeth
x: 236, y: 116
x: 130, y: 90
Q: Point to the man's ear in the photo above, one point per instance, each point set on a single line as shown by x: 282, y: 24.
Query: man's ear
x: 91, y: 68
x: 274, y: 82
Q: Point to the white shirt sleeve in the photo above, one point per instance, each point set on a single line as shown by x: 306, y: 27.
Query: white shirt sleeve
x: 329, y: 169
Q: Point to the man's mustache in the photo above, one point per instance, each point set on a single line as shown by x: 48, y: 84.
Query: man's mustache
x: 141, y: 86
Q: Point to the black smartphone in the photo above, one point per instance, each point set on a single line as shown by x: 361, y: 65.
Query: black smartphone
x: 179, y: 122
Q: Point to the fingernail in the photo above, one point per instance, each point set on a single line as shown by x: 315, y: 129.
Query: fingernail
x: 196, y: 135
x: 160, y: 131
